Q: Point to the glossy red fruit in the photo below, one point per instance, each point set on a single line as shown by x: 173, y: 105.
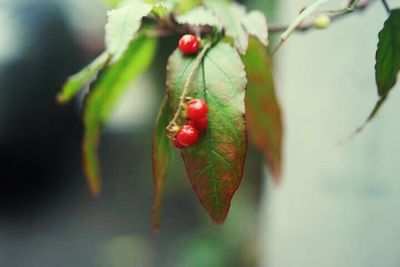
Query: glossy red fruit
x: 189, y: 44
x: 177, y: 144
x: 200, y: 125
x: 197, y: 109
x: 187, y: 135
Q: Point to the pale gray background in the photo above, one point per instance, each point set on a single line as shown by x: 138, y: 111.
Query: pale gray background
x: 339, y: 204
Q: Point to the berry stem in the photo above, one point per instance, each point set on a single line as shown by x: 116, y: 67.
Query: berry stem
x: 185, y: 91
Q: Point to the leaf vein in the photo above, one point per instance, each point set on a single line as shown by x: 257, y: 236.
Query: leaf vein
x: 209, y: 150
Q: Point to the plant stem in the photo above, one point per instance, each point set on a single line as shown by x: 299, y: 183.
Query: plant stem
x: 168, y: 29
x: 337, y: 15
x: 185, y: 91
x: 385, y: 4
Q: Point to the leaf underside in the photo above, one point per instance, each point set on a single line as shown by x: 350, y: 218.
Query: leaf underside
x: 238, y: 24
x: 255, y: 25
x: 122, y: 25
x: 263, y: 112
x: 215, y: 164
x: 161, y: 159
x: 199, y: 16
x: 231, y: 15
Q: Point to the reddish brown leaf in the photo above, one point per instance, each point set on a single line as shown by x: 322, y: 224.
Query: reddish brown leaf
x: 161, y: 159
x: 263, y: 112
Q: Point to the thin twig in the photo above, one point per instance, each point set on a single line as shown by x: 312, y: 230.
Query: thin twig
x: 305, y: 27
x: 171, y: 28
x: 185, y: 91
x: 298, y: 21
x: 350, y: 7
x: 385, y: 4
x: 353, y: 3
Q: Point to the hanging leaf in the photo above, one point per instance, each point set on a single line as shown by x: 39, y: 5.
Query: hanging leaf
x: 215, y: 164
x: 231, y: 15
x: 104, y: 93
x: 82, y: 79
x: 388, y: 54
x: 122, y: 26
x: 255, y: 24
x: 263, y: 113
x: 161, y: 159
x: 387, y: 64
x: 199, y: 16
x: 140, y: 57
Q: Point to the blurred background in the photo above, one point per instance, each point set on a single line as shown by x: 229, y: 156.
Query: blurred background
x: 338, y: 206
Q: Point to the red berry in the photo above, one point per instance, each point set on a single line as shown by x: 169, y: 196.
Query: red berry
x: 187, y: 135
x: 199, y: 124
x: 177, y: 144
x: 189, y: 44
x: 197, y: 109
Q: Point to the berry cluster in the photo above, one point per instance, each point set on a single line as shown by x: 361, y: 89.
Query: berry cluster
x: 195, y: 110
x: 196, y: 113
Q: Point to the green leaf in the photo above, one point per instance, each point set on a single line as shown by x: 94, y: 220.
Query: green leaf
x: 122, y: 26
x: 387, y: 64
x: 82, y: 79
x: 161, y: 159
x: 183, y: 6
x: 199, y: 16
x: 162, y: 9
x: 263, y: 113
x: 255, y: 24
x: 215, y: 164
x: 388, y: 54
x: 231, y: 15
x: 139, y: 58
x: 103, y: 94
x: 112, y: 3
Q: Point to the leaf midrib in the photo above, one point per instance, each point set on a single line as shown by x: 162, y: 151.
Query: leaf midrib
x: 209, y: 150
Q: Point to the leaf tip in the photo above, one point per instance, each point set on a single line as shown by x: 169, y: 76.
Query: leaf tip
x: 95, y: 189
x: 155, y: 214
x: 155, y: 221
x: 277, y: 176
x: 219, y: 220
x: 61, y: 99
x: 156, y: 230
x: 361, y: 128
x: 93, y: 182
x: 90, y: 167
